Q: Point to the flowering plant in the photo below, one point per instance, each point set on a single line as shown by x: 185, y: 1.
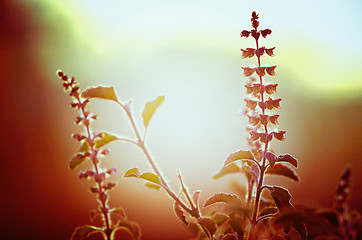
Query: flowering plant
x: 262, y: 211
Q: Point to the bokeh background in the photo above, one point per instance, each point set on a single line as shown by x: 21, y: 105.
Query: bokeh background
x: 189, y: 52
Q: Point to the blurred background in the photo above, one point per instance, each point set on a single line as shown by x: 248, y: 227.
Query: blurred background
x: 189, y: 52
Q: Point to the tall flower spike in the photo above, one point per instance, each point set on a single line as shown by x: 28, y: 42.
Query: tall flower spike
x: 259, y: 111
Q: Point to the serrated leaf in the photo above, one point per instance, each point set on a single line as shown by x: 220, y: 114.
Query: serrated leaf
x: 179, y: 213
x: 133, y: 172
x: 122, y: 233
x: 282, y: 170
x: 239, y: 155
x: 119, y: 212
x: 281, y: 198
x: 150, y: 109
x: 271, y: 157
x: 75, y: 161
x: 208, y: 223
x: 220, y: 218
x: 82, y: 231
x: 106, y: 138
x: 153, y: 186
x: 228, y: 169
x: 268, y: 211
x: 151, y: 177
x: 231, y: 199
x: 288, y: 158
x: 100, y: 92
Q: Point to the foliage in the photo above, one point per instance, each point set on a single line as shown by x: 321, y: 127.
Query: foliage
x: 261, y: 212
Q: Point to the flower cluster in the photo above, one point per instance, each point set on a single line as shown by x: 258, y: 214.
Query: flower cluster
x: 258, y: 106
x: 90, y: 150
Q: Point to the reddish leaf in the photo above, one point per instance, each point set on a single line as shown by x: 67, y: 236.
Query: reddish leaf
x: 179, y: 213
x: 239, y: 155
x: 268, y: 211
x: 223, y: 197
x: 271, y: 158
x: 228, y: 169
x: 119, y: 212
x: 83, y: 231
x: 281, y: 198
x: 277, y: 237
x: 229, y: 236
x: 282, y: 170
x: 288, y: 158
x: 196, y: 197
x: 235, y: 222
x: 122, y: 233
x: 133, y: 227
x: 209, y: 224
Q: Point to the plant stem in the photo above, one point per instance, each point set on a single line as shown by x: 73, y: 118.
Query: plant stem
x: 262, y: 167
x: 101, y: 191
x: 164, y: 184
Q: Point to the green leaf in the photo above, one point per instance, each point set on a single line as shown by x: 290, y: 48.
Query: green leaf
x: 288, y: 158
x: 150, y: 109
x: 84, y: 147
x: 151, y: 185
x: 106, y: 138
x: 75, y: 161
x: 100, y: 92
x: 151, y: 177
x: 208, y: 223
x: 231, y: 199
x: 179, y: 213
x: 220, y: 218
x: 239, y: 155
x: 83, y: 231
x: 122, y: 233
x: 282, y: 170
x: 228, y: 169
x: 133, y: 172
x: 119, y: 212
